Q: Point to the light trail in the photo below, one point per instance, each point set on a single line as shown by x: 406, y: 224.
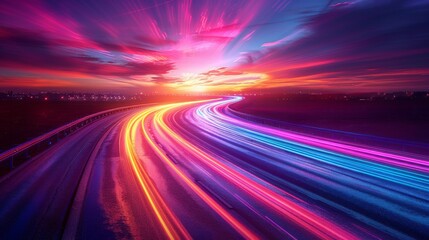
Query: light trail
x: 320, y: 227
x: 170, y: 224
x: 141, y: 174
x: 303, y: 185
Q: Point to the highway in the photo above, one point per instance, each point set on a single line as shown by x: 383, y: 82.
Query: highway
x: 198, y: 170
x: 36, y: 198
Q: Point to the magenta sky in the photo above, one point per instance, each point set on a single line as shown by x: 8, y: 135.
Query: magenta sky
x: 220, y: 45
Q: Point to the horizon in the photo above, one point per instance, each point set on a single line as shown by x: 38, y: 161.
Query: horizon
x: 245, y: 93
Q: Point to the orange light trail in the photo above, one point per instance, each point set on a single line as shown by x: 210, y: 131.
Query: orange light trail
x: 167, y: 219
x: 315, y: 224
x: 160, y: 129
x: 169, y: 222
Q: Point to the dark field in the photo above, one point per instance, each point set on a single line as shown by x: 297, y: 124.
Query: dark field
x: 406, y: 119
x: 21, y: 121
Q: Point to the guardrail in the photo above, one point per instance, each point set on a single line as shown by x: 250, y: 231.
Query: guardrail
x: 26, y: 150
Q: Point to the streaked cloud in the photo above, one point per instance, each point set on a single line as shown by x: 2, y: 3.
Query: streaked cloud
x: 282, y: 44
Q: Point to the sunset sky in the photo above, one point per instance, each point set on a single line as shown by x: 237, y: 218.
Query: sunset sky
x: 209, y: 46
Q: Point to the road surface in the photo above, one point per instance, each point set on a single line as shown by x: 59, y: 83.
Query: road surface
x: 198, y: 170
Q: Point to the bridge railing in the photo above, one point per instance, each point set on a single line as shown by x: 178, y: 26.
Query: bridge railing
x: 27, y: 149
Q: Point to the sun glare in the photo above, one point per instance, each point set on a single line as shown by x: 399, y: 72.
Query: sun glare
x: 198, y: 88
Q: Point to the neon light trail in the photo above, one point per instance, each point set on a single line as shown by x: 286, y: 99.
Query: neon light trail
x: 250, y: 174
x: 214, y: 119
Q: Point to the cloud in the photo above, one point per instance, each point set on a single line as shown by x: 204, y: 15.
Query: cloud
x: 20, y: 49
x: 155, y: 42
x: 366, y: 43
x: 161, y: 79
x: 354, y: 42
x: 223, y: 71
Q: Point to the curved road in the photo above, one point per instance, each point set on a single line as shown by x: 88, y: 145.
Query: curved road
x: 199, y: 170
